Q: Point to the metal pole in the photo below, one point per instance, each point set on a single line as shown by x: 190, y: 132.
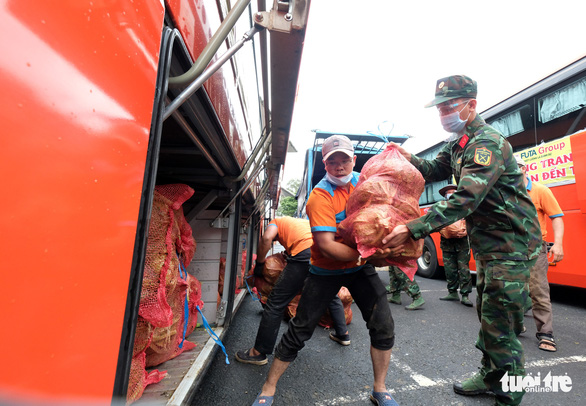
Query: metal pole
x: 213, y: 45
x: 195, y: 85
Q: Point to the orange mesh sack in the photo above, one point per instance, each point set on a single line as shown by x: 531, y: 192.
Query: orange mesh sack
x: 453, y: 230
x: 166, y: 340
x: 139, y: 378
x: 387, y: 195
x: 263, y: 288
x: 274, y: 265
x: 221, y: 276
x: 169, y: 235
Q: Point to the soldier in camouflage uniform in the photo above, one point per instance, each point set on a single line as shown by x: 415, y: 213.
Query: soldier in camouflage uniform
x: 398, y: 281
x: 456, y: 254
x: 501, y: 223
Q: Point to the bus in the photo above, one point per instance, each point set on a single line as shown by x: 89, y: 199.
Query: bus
x: 546, y: 126
x: 103, y: 102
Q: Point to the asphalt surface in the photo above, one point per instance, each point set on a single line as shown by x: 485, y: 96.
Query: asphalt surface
x: 434, y: 348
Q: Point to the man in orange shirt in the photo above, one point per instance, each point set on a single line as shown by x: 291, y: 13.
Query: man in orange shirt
x: 546, y: 205
x: 294, y: 235
x: 333, y: 265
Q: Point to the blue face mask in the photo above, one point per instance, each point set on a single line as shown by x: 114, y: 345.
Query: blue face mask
x: 452, y: 122
x: 343, y: 181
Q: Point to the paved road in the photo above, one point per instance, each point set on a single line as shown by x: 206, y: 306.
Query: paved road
x: 434, y: 347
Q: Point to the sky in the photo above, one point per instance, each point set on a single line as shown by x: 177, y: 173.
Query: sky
x: 371, y: 65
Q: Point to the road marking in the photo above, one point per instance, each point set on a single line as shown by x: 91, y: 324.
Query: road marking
x: 423, y: 381
x: 420, y: 379
x: 555, y: 361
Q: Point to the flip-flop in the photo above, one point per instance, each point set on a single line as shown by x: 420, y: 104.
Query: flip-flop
x: 546, y: 341
x: 263, y: 400
x: 383, y: 399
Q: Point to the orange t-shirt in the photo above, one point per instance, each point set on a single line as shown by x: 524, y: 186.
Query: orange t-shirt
x: 545, y: 203
x: 326, y: 208
x: 294, y: 234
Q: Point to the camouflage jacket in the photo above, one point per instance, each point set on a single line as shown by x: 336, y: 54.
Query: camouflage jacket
x: 500, y: 217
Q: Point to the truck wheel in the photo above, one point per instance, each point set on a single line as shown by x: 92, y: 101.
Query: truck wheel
x: 427, y: 263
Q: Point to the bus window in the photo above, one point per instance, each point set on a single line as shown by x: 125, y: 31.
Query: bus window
x: 521, y: 123
x: 561, y: 111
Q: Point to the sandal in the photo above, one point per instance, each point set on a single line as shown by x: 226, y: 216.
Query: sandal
x: 263, y: 400
x: 382, y: 399
x: 546, y: 342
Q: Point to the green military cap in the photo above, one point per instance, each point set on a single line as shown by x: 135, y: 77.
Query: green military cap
x: 453, y: 87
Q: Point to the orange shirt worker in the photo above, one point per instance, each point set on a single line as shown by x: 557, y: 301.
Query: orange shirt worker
x: 333, y: 265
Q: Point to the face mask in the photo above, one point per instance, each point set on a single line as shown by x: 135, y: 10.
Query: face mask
x: 343, y: 181
x: 452, y: 122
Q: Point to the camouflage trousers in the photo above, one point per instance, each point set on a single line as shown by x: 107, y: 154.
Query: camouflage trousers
x: 399, y: 281
x: 502, y: 287
x: 456, y: 254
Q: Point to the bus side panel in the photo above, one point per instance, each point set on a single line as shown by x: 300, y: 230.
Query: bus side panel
x: 572, y: 200
x: 78, y: 84
x: 197, y: 22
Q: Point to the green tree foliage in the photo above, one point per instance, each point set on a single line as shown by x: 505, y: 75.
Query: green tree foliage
x: 287, y: 206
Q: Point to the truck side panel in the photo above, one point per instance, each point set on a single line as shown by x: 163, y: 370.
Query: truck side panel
x: 78, y: 86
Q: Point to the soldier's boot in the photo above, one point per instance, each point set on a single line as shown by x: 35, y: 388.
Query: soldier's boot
x: 417, y: 303
x: 451, y: 296
x: 465, y: 301
x: 395, y: 298
x: 472, y: 386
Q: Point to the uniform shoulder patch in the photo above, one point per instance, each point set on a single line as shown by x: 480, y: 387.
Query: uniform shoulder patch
x: 482, y: 156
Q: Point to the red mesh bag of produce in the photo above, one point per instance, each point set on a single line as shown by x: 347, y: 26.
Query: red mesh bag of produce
x: 139, y: 378
x: 387, y: 195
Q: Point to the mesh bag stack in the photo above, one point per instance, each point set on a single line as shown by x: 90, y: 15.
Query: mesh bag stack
x: 166, y: 286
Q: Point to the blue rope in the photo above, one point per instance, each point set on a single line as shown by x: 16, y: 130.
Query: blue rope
x: 186, y: 310
x: 213, y: 334
x: 248, y: 287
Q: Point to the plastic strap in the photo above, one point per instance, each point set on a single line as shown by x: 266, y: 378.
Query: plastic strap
x: 248, y: 287
x: 213, y: 334
x: 186, y: 310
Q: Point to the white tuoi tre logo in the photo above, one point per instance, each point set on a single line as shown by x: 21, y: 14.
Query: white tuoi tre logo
x: 532, y: 383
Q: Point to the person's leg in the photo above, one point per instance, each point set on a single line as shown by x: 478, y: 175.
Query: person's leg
x: 317, y: 293
x: 369, y: 294
x: 394, y: 285
x: 463, y: 270
x: 539, y: 291
x: 463, y: 262
x: 502, y: 311
x: 288, y: 285
x: 451, y: 271
x: 336, y: 308
x: 412, y: 289
x: 277, y: 369
x: 380, y: 365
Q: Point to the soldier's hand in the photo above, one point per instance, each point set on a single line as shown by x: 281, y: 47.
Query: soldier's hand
x: 398, y: 237
x: 402, y: 150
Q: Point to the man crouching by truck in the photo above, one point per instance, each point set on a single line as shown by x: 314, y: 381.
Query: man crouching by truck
x: 501, y: 222
x: 333, y: 265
